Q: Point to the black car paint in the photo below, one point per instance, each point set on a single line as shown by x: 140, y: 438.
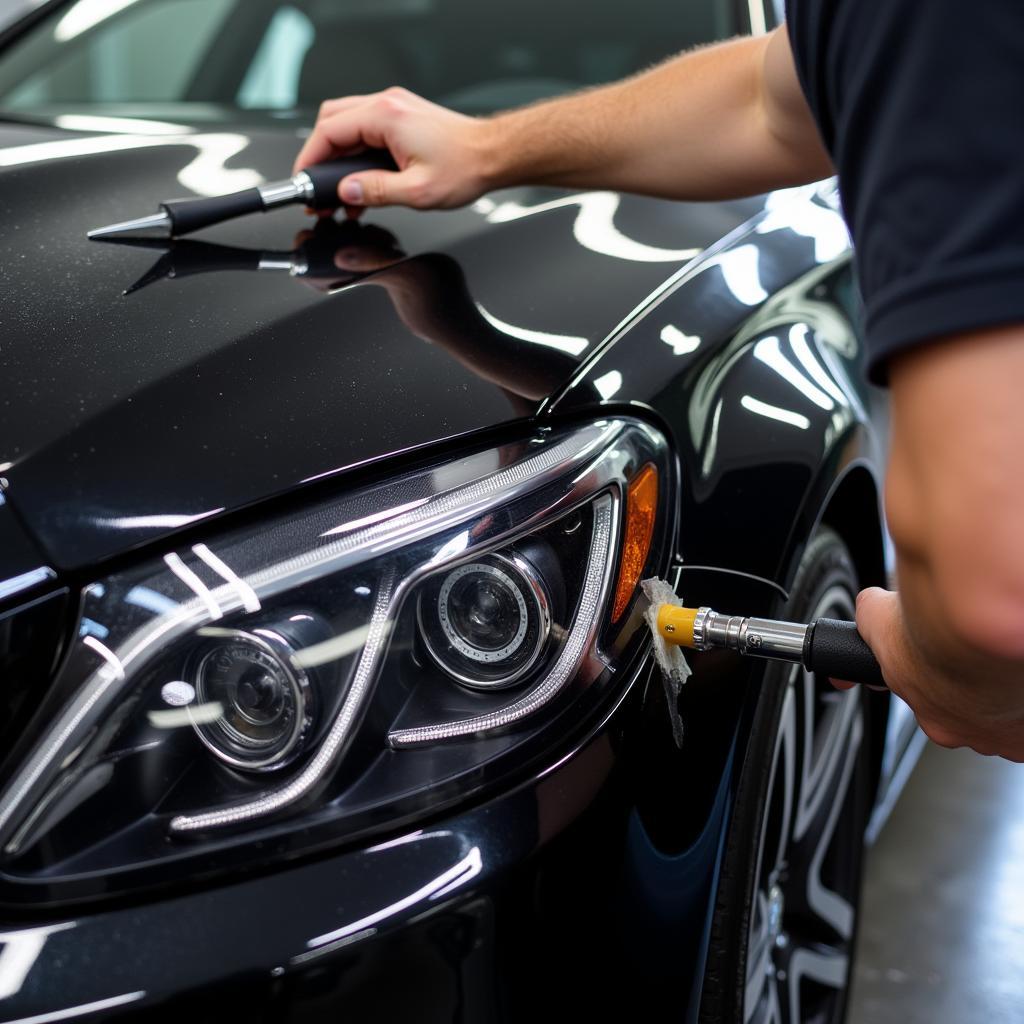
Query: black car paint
x: 728, y: 457
x: 103, y: 429
x: 161, y: 404
x: 588, y: 867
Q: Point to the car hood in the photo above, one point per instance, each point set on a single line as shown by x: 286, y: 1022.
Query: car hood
x: 252, y: 361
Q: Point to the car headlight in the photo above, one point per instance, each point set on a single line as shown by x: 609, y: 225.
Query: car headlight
x: 348, y: 668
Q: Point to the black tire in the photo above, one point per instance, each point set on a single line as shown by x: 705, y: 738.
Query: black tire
x: 785, y: 919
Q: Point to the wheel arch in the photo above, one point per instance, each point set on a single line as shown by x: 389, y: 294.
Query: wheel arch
x: 853, y: 509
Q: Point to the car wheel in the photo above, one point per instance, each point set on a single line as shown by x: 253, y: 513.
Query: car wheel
x: 785, y: 919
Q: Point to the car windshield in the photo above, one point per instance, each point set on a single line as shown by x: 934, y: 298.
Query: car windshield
x: 225, y: 59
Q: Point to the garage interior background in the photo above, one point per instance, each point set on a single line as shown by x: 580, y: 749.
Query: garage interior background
x: 942, y: 933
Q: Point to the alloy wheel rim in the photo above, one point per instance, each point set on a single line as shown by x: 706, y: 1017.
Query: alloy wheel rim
x: 801, y: 931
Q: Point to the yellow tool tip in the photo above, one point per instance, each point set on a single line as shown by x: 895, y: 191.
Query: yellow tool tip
x: 675, y: 625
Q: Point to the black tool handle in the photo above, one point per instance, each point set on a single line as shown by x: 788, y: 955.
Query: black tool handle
x: 326, y: 176
x: 189, y: 215
x: 834, y: 648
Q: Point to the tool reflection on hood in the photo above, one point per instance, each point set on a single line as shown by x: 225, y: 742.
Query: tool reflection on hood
x: 329, y: 256
x: 429, y: 293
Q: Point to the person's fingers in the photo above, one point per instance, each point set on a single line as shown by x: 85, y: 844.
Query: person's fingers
x: 432, y: 147
x: 879, y: 622
x: 351, y: 193
x: 383, y: 188
x: 941, y: 735
x: 331, y: 107
x: 327, y: 110
x: 843, y: 684
x: 320, y: 147
x: 355, y: 127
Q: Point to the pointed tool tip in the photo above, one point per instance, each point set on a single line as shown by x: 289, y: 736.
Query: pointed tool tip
x: 155, y: 222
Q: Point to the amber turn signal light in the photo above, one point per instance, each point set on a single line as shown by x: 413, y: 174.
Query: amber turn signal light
x: 641, y: 508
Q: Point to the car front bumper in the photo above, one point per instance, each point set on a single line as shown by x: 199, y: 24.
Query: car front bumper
x: 554, y: 898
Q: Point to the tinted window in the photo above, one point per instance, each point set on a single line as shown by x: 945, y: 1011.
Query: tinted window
x: 475, y: 55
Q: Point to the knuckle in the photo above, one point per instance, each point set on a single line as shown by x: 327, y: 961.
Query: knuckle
x: 419, y: 194
x: 942, y: 736
x: 373, y: 189
x: 392, y: 104
x: 421, y: 191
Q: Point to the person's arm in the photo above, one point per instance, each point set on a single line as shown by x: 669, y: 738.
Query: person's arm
x: 723, y: 121
x: 952, y: 643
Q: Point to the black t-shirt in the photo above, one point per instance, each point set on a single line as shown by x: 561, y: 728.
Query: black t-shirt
x: 921, y: 104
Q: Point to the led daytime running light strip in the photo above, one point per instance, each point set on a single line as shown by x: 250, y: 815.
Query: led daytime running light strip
x: 366, y: 670
x: 581, y: 636
x: 104, y: 686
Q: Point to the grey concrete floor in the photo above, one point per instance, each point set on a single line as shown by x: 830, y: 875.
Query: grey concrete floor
x: 942, y: 926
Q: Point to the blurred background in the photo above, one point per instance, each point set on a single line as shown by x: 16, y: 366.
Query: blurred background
x: 10, y: 9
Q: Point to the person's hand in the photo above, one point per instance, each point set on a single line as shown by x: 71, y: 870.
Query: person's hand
x: 441, y: 155
x: 953, y: 709
x: 951, y: 644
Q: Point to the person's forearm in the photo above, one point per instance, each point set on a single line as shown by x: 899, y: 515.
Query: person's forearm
x: 729, y: 120
x: 705, y: 125
x: 953, y: 645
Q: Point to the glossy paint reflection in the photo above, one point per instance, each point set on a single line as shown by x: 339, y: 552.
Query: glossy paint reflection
x: 205, y: 174
x: 459, y: 874
x: 158, y: 405
x: 750, y: 357
x: 774, y: 412
x: 813, y: 212
x: 594, y: 227
x: 681, y: 344
x: 19, y: 950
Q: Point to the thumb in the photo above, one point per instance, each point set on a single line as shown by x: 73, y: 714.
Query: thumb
x: 879, y: 621
x: 375, y: 188
x: 876, y: 611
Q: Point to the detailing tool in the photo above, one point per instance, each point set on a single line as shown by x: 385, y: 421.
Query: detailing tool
x: 829, y: 647
x: 316, y: 186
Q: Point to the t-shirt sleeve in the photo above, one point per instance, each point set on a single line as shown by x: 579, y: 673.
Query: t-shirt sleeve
x: 922, y: 105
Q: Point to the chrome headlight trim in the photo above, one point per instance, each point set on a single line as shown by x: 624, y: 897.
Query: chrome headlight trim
x: 303, y: 783
x: 581, y: 637
x: 543, y: 611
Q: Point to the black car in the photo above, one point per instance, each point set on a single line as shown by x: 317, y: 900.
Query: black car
x: 326, y: 687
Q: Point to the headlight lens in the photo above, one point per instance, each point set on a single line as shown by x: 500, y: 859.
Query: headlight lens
x: 396, y: 649
x: 262, y: 701
x: 486, y: 623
